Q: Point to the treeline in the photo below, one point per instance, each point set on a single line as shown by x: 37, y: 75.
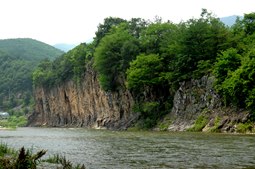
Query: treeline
x: 71, y: 65
x: 15, y: 81
x: 150, y: 58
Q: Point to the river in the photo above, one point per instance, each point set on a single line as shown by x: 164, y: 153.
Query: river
x: 98, y: 149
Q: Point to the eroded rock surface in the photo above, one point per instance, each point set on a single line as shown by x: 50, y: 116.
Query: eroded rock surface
x: 83, y: 105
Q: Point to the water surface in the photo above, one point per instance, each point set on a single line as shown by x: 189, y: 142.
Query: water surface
x: 114, y: 149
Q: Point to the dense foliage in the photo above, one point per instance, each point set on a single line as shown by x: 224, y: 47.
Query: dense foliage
x: 71, y: 65
x: 113, y: 54
x: 151, y: 58
x: 18, y: 59
x: 13, y: 122
x: 235, y: 68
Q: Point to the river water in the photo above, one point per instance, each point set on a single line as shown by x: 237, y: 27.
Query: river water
x: 98, y: 149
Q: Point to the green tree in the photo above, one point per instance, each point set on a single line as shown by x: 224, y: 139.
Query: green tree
x: 71, y: 65
x: 105, y: 28
x: 201, y: 42
x: 238, y: 86
x: 113, y: 54
x: 42, y: 73
x: 136, y: 26
x: 156, y: 38
x: 227, y: 62
x: 144, y: 71
x: 249, y: 23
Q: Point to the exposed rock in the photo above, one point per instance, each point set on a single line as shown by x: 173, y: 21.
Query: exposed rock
x: 87, y: 105
x: 83, y: 105
x: 196, y: 98
x: 192, y: 99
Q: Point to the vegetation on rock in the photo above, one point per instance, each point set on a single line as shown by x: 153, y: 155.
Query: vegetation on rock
x: 151, y: 58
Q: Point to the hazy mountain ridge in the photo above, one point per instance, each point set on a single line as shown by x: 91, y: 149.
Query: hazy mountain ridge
x: 230, y: 20
x: 64, y: 46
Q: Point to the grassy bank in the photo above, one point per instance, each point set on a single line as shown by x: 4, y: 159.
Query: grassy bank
x: 24, y: 159
x: 13, y: 122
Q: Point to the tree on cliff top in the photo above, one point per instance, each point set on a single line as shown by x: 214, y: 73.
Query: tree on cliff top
x: 113, y: 54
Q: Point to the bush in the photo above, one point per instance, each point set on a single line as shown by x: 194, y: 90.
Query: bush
x: 215, y: 128
x: 14, y: 121
x: 163, y: 126
x: 200, y: 123
x: 244, y: 127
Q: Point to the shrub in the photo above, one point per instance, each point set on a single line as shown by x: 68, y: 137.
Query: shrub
x: 24, y: 160
x: 215, y: 128
x: 200, y: 123
x: 244, y: 127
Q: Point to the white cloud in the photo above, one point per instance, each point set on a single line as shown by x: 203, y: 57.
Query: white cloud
x: 75, y: 21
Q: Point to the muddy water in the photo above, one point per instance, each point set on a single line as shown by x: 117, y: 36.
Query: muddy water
x: 110, y: 149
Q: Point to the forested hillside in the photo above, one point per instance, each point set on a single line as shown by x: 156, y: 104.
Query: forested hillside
x: 18, y: 58
x: 151, y: 58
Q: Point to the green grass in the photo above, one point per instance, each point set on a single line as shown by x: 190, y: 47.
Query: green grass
x: 59, y: 159
x: 5, y: 150
x: 163, y: 126
x: 13, y: 122
x: 200, y: 123
x: 11, y: 159
x: 245, y: 127
x: 215, y: 128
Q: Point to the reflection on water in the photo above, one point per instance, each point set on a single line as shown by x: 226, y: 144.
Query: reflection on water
x: 112, y: 149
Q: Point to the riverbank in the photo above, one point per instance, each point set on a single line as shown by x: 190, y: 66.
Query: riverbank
x: 223, y: 120
x: 11, y: 158
x: 12, y: 122
x: 5, y: 128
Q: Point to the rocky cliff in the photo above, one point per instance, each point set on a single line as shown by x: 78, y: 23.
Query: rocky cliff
x: 83, y: 105
x: 197, y: 107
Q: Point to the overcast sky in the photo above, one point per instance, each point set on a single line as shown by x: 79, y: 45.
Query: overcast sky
x: 75, y: 21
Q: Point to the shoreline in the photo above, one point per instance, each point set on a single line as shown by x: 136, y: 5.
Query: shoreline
x: 132, y: 129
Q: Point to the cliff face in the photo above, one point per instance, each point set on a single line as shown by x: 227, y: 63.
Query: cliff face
x: 197, y: 99
x: 190, y: 100
x: 87, y: 105
x: 83, y: 105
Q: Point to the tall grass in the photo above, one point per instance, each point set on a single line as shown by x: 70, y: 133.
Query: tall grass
x: 59, y: 159
x: 25, y: 159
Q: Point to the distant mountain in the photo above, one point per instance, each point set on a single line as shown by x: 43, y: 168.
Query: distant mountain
x: 18, y: 59
x: 28, y: 49
x: 230, y: 20
x: 64, y: 47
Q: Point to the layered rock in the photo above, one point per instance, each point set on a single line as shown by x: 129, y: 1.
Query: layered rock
x: 190, y: 100
x: 83, y: 105
x: 86, y: 105
x: 198, y: 99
